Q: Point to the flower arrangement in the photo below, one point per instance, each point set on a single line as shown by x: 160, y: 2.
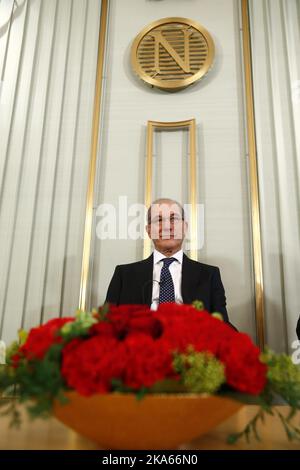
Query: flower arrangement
x: 131, y: 349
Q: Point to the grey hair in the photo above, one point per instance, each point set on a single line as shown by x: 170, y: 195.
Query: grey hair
x: 164, y: 200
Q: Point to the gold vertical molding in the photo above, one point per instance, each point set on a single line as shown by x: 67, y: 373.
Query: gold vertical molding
x: 148, y: 195
x: 93, y: 157
x: 255, y: 213
x: 191, y: 125
x: 193, y: 191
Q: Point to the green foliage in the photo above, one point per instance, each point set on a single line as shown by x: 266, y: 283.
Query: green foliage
x: 37, y: 383
x: 168, y: 386
x: 119, y: 386
x: 103, y: 311
x: 23, y: 335
x: 217, y: 315
x: 283, y: 381
x: 200, y: 371
x: 11, y: 351
x: 283, y: 377
x: 198, y: 305
x: 250, y: 429
x: 78, y: 328
x: 8, y: 407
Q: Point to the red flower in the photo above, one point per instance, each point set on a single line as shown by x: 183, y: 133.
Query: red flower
x: 148, y: 361
x: 129, y: 309
x: 120, y: 318
x: 184, y: 326
x: 128, y: 319
x: 89, y: 365
x: 42, y: 337
x: 244, y: 371
x: 103, y: 328
x: 135, y: 345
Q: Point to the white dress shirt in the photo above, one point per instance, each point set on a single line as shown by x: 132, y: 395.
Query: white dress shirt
x: 176, y: 272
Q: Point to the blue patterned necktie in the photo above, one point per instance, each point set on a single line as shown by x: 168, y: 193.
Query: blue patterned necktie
x: 166, y: 291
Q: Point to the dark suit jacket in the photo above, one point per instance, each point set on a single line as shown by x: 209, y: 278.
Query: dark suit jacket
x: 132, y: 284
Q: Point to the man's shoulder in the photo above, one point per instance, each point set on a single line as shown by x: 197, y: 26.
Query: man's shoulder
x: 197, y: 265
x: 135, y: 265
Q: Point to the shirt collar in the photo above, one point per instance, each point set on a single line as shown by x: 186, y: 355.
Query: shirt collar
x: 157, y: 256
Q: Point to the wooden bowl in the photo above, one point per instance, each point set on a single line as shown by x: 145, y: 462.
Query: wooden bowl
x: 157, y: 421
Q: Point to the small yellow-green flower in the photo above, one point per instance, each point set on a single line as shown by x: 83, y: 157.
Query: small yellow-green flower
x: 201, y: 372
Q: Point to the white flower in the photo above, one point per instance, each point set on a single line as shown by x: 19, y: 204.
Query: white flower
x: 2, y: 352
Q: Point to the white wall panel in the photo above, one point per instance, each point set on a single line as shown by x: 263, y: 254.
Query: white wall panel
x: 276, y: 61
x: 171, y: 158
x: 45, y: 133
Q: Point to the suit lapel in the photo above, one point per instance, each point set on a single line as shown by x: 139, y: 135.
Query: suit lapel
x: 189, y: 276
x: 145, y: 279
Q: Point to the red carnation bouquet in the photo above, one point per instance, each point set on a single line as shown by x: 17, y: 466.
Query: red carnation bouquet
x: 178, y: 348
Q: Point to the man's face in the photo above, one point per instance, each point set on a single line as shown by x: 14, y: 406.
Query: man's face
x: 166, y: 228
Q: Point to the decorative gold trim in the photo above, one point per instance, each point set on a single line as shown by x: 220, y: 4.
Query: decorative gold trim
x: 256, y: 233
x: 191, y: 124
x: 93, y: 158
x: 172, y: 85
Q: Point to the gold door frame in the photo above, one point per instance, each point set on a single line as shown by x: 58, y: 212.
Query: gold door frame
x: 87, y: 238
x: 252, y: 154
x: 191, y: 125
x: 254, y: 192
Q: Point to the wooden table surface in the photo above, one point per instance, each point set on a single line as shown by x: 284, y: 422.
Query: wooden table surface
x: 51, y: 434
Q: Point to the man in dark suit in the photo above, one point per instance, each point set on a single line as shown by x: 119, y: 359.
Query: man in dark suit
x: 168, y: 275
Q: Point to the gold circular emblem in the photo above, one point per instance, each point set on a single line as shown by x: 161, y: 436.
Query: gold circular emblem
x: 172, y: 53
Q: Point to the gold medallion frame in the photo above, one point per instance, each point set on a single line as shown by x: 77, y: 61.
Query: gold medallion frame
x: 252, y: 157
x: 191, y: 125
x: 173, y: 84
